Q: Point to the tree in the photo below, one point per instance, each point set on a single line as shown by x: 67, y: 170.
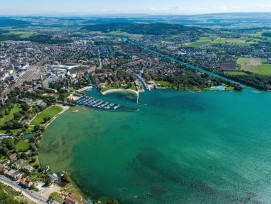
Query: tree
x: 23, y: 155
x: 25, y: 107
x: 17, y: 116
x: 37, y: 127
x: 9, y: 143
x: 46, y: 119
x: 66, y: 178
x: 4, y: 151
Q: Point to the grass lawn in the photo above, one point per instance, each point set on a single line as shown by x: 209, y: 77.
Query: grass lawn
x: 49, y: 112
x: 22, y: 145
x: 229, y: 88
x: 133, y: 87
x: 10, y: 116
x: 163, y: 83
x: 234, y: 73
x: 55, y: 196
x: 72, y: 188
x: 30, y: 129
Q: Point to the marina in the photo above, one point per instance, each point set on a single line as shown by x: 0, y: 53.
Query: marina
x: 98, y: 104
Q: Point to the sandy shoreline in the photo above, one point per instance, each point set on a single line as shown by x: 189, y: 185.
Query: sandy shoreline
x: 120, y: 91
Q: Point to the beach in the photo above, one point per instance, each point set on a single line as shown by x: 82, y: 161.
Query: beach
x: 120, y: 91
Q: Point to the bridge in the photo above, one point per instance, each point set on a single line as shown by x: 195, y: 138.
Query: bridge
x: 142, y: 82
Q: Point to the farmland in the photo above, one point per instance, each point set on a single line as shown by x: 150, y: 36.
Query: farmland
x: 255, y: 65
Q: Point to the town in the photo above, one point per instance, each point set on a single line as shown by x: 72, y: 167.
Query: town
x: 45, y: 72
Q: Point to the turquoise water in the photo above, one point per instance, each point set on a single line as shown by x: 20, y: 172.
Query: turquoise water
x: 220, y: 88
x: 210, y: 147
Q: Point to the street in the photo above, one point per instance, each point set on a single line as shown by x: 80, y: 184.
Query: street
x: 31, y: 195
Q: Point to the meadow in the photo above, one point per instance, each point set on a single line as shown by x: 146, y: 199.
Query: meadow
x: 49, y: 112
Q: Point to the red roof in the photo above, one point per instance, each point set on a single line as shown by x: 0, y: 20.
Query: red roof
x: 69, y: 200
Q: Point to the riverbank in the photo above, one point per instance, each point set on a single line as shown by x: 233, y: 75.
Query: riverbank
x: 120, y: 91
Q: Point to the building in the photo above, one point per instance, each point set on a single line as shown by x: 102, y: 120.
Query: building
x: 3, y: 169
x: 13, y: 156
x: 26, y: 182
x: 69, y: 200
x: 5, y: 162
x: 14, y: 175
x: 52, y: 177
x: 18, y: 164
x: 29, y: 168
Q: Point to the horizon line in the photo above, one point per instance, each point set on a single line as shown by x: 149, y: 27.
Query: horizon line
x: 127, y: 14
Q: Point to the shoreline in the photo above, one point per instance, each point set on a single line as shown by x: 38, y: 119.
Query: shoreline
x: 72, y: 182
x: 64, y: 109
x: 120, y: 91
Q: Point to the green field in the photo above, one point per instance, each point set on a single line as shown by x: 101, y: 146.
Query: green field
x: 251, y: 61
x: 55, y: 196
x: 10, y: 116
x: 264, y: 69
x: 49, y: 112
x: 255, y: 65
x: 163, y: 83
x: 22, y: 145
x: 22, y: 34
x: 230, y: 41
x: 202, y: 41
x: 234, y: 73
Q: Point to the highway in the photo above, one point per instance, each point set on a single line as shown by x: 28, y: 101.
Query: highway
x: 31, y: 195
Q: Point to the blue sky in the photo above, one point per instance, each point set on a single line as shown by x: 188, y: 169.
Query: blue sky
x: 88, y: 7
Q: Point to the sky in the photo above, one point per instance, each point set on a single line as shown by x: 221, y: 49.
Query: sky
x: 90, y: 7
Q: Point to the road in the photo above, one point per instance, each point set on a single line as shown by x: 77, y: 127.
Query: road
x: 100, y: 60
x: 142, y: 81
x: 31, y: 195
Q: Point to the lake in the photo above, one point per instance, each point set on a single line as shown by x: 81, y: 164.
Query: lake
x: 209, y: 147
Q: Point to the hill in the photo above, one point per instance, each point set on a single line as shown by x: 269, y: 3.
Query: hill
x: 6, y: 22
x: 138, y: 28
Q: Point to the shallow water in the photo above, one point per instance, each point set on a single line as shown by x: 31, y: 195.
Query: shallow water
x: 211, y: 147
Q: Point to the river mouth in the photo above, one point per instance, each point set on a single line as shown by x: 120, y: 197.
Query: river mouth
x: 211, y: 147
